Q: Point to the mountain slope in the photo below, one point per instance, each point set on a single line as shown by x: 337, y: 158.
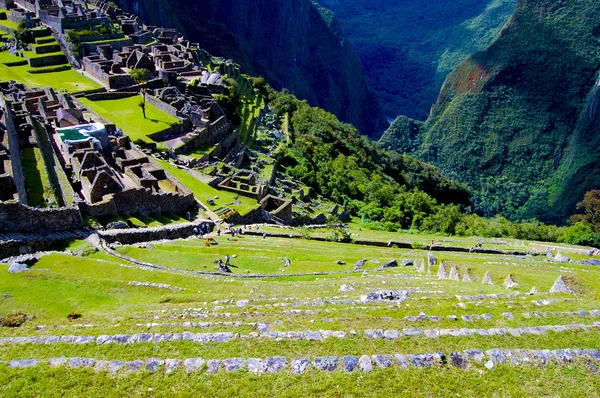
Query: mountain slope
x: 292, y: 43
x: 518, y: 121
x: 408, y: 47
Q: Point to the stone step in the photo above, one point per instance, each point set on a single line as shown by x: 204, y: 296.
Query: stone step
x: 467, y: 359
x: 264, y: 333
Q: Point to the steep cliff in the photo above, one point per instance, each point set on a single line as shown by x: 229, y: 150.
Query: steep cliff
x: 409, y: 47
x: 518, y: 122
x: 294, y: 44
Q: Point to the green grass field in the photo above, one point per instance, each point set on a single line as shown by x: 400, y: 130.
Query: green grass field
x: 126, y: 114
x: 69, y: 80
x: 99, y: 287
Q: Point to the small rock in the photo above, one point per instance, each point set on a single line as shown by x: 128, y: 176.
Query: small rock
x: 365, y: 364
x: 350, y: 362
x: 299, y: 365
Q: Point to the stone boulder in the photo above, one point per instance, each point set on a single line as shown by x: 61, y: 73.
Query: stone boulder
x: 392, y: 295
x: 560, y: 258
x: 431, y: 260
x: 389, y: 264
x: 15, y: 268
x: 346, y: 288
x: 509, y: 282
x: 442, y: 272
x: 561, y: 286
x: 467, y: 276
x: 454, y: 274
x: 117, y: 225
x: 421, y: 267
x: 359, y: 264
x: 487, y: 279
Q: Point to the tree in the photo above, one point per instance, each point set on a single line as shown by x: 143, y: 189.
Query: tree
x: 141, y: 76
x: 591, y: 205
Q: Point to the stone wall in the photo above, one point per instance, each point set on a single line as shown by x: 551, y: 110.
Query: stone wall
x: 163, y: 106
x: 15, y: 151
x: 47, y: 61
x: 17, y: 217
x: 130, y: 236
x: 116, y: 44
x: 113, y: 95
x: 140, y: 200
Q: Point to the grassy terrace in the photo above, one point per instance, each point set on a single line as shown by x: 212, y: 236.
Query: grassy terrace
x: 37, y: 183
x: 127, y: 114
x: 203, y: 191
x: 68, y: 80
x: 98, y: 286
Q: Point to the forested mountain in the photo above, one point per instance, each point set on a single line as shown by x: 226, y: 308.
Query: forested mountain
x: 294, y: 44
x: 408, y: 47
x: 518, y: 122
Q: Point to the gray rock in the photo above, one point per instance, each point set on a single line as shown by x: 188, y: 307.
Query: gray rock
x: 389, y: 264
x: 55, y: 362
x: 153, y: 364
x: 234, y: 364
x: 431, y: 260
x: 81, y: 362
x: 467, y: 318
x: 15, y: 268
x: 458, y: 360
x: 496, y: 355
x: 346, y: 288
x: 171, y: 365
x: 383, y: 361
x: 115, y: 366
x: 365, y: 364
x: 256, y: 366
x: 442, y: 272
x: 340, y: 262
x: 560, y: 286
x: 475, y: 355
x: 327, y: 363
x: 193, y: 364
x: 508, y: 315
x: 275, y: 364
x: 117, y: 225
x: 454, y: 274
x: 359, y: 264
x: 489, y: 365
x: 487, y: 279
x: 560, y: 258
x: 134, y: 366
x: 486, y: 317
x: 313, y: 336
x: 28, y: 363
x: 392, y: 334
x: 299, y: 365
x: 421, y: 361
x: 406, y: 263
x: 212, y: 366
x: 402, y: 361
x: 223, y: 337
x: 350, y: 362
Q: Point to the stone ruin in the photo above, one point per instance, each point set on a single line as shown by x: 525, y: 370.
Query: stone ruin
x: 109, y: 174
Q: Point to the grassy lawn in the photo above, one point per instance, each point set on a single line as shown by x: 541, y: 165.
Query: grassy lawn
x: 99, y: 287
x: 69, y: 80
x: 126, y: 114
x: 203, y: 191
x: 37, y: 183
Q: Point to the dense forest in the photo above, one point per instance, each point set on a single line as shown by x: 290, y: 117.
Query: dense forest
x: 409, y: 47
x: 518, y: 122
